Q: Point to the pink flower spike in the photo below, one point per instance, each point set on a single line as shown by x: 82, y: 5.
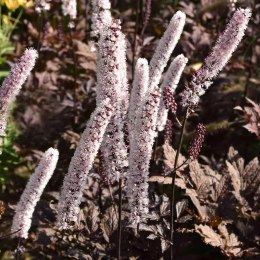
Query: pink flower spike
x: 39, y: 179
x: 165, y: 48
x: 13, y: 84
x: 81, y: 164
x: 101, y: 16
x: 139, y: 89
x: 140, y: 156
x: 170, y: 82
x: 218, y: 58
x: 197, y: 141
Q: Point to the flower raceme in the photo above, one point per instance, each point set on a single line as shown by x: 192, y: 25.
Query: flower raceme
x: 169, y: 85
x: 112, y: 83
x: 139, y: 89
x: 140, y: 156
x: 42, y: 5
x: 24, y: 210
x: 197, y: 141
x: 81, y: 163
x: 69, y: 7
x: 218, y: 58
x: 165, y: 48
x: 13, y: 83
x: 101, y: 16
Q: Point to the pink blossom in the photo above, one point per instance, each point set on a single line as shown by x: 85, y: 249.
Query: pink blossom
x: 165, y: 48
x: 81, y: 164
x: 13, y: 83
x: 39, y: 179
x: 140, y: 156
x: 218, y: 58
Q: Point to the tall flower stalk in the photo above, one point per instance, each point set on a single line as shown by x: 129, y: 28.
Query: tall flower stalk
x: 218, y: 58
x: 170, y: 81
x: 140, y: 156
x: 112, y: 83
x: 24, y: 210
x: 201, y: 80
x: 101, y: 16
x: 81, y: 164
x: 69, y: 8
x: 13, y: 84
x: 165, y: 48
x: 139, y: 90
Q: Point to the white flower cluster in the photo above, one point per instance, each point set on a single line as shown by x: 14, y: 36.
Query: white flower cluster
x: 24, y: 210
x: 139, y: 89
x: 171, y: 80
x: 165, y: 48
x: 42, y: 5
x: 101, y: 16
x: 81, y: 163
x: 69, y: 7
x: 13, y: 83
x: 218, y: 58
x: 112, y: 83
x: 140, y: 156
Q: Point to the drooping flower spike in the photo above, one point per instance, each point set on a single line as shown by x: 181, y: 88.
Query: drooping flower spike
x: 165, y: 49
x: 169, y: 86
x: 69, y: 8
x: 197, y: 142
x: 24, y: 210
x: 140, y: 156
x: 218, y: 58
x: 13, y: 83
x: 101, y: 16
x: 81, y: 164
x: 112, y: 83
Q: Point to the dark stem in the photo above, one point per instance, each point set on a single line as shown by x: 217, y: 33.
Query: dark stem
x: 10, y: 234
x: 173, y: 181
x: 40, y: 32
x: 247, y: 85
x: 119, y: 220
x: 17, y: 255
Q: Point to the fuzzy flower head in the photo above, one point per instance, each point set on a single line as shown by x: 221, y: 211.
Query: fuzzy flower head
x: 101, y: 16
x: 112, y: 84
x: 24, y: 210
x: 140, y: 156
x: 197, y: 142
x: 81, y: 164
x: 218, y: 58
x: 42, y: 5
x: 165, y: 48
x: 168, y: 132
x: 169, y: 100
x: 69, y: 8
x: 13, y: 83
x: 139, y: 90
x: 111, y: 75
x: 169, y: 84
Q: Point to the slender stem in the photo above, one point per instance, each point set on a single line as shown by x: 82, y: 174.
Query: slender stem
x: 177, y: 168
x: 119, y: 220
x: 173, y: 180
x: 40, y: 31
x: 10, y: 234
x: 17, y: 255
